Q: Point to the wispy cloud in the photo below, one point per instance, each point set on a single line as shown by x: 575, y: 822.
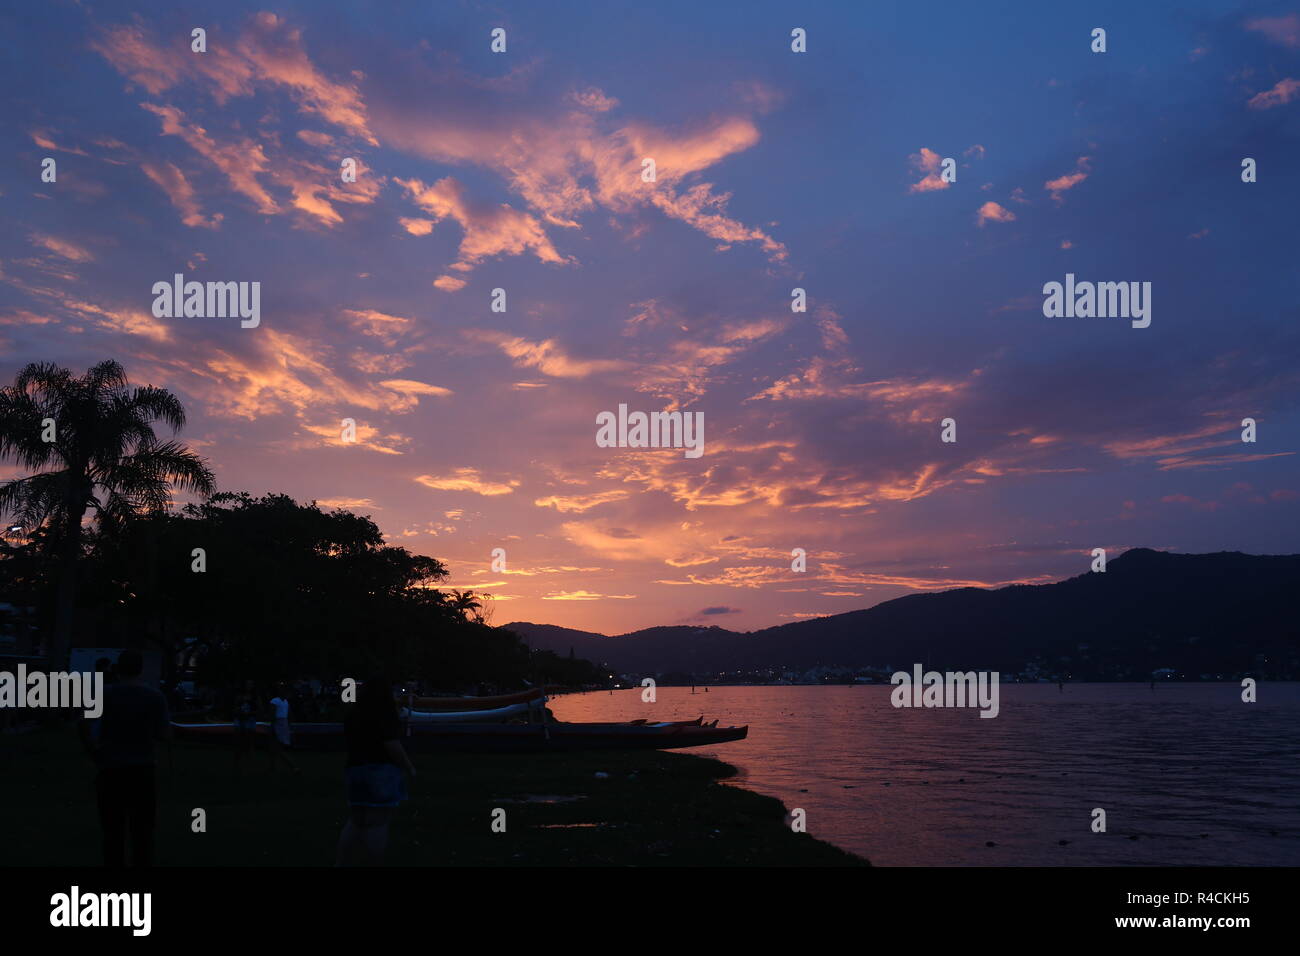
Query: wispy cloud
x: 1283, y: 30
x: 1062, y: 184
x: 1283, y: 92
x: 469, y: 479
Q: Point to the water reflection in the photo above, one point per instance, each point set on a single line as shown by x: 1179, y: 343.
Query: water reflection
x: 1187, y: 773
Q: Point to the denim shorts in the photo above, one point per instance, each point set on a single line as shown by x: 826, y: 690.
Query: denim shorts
x: 375, y: 785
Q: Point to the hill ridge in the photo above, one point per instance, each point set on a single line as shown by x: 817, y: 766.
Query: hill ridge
x: 1223, y: 612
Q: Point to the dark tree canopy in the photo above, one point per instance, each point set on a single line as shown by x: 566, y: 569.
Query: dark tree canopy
x: 234, y: 586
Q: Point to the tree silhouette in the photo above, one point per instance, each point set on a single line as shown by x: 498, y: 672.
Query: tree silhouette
x: 92, y: 444
x: 465, y: 605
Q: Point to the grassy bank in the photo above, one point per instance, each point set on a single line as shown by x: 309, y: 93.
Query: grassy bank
x: 652, y: 809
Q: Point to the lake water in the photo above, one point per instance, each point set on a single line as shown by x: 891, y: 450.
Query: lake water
x: 1200, y: 777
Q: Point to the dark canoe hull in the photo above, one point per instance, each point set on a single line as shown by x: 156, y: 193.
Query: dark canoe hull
x: 502, y: 738
x: 539, y: 738
x: 477, y: 703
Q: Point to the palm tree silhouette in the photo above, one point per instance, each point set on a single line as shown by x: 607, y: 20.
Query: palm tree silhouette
x: 465, y: 605
x: 93, y: 441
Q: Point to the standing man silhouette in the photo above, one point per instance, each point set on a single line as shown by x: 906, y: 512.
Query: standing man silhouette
x: 134, y: 716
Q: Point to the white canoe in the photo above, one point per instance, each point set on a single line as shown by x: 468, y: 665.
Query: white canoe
x: 495, y: 715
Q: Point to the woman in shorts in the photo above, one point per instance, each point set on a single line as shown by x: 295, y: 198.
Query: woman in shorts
x: 375, y: 776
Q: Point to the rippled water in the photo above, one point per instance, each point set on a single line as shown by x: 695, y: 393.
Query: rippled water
x: 1198, y: 776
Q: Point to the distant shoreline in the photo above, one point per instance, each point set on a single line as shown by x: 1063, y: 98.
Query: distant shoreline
x: 884, y: 683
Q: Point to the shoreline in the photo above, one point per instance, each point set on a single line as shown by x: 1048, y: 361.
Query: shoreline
x: 650, y: 808
x: 884, y: 683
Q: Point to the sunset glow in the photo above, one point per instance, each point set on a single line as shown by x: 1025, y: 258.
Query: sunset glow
x: 476, y: 429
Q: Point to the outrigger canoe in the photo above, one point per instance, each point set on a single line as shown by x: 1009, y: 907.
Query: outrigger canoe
x: 476, y: 703
x: 559, y: 736
x: 503, y: 738
x: 476, y: 716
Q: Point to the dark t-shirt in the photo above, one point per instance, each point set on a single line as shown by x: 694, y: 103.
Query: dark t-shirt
x: 367, y: 733
x: 133, y: 718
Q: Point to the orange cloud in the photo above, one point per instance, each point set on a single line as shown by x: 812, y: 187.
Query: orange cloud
x: 347, y: 504
x: 267, y: 52
x: 62, y: 247
x: 992, y: 212
x: 1284, y: 91
x: 266, y: 55
x: 274, y: 51
x: 1181, y: 444
x: 562, y: 164
x: 1215, y: 461
x: 1284, y: 30
x: 313, y: 188
x: 763, y: 576
x: 488, y: 230
x: 241, y: 161
x: 168, y: 177
x: 1063, y: 183
x: 821, y: 379
x: 379, y: 324
x: 417, y: 227
x: 927, y: 161
x: 701, y: 208
x: 276, y: 370
x: 593, y: 99
x: 367, y: 436
x: 408, y: 387
x: 43, y: 139
x: 580, y: 503
x: 1174, y: 452
x: 546, y: 356
x: 585, y: 596
x: 112, y: 319
x: 468, y: 479
x: 559, y: 162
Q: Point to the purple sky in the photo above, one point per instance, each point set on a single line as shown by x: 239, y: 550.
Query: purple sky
x: 775, y: 170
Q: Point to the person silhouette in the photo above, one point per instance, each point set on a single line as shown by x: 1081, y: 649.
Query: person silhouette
x: 281, y: 739
x: 245, y: 723
x: 375, y: 777
x: 122, y: 746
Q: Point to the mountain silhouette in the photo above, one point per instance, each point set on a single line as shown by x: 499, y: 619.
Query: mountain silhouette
x: 1227, y: 613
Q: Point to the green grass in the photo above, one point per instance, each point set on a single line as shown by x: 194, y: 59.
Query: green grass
x: 655, y: 808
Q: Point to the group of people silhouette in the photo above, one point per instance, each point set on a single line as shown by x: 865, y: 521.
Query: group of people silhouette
x: 122, y: 743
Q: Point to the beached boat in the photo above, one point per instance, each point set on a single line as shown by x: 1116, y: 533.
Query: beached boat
x: 475, y: 703
x: 501, y: 738
x: 559, y: 736
x: 475, y: 716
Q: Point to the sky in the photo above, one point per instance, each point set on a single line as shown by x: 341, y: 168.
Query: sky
x: 775, y: 170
